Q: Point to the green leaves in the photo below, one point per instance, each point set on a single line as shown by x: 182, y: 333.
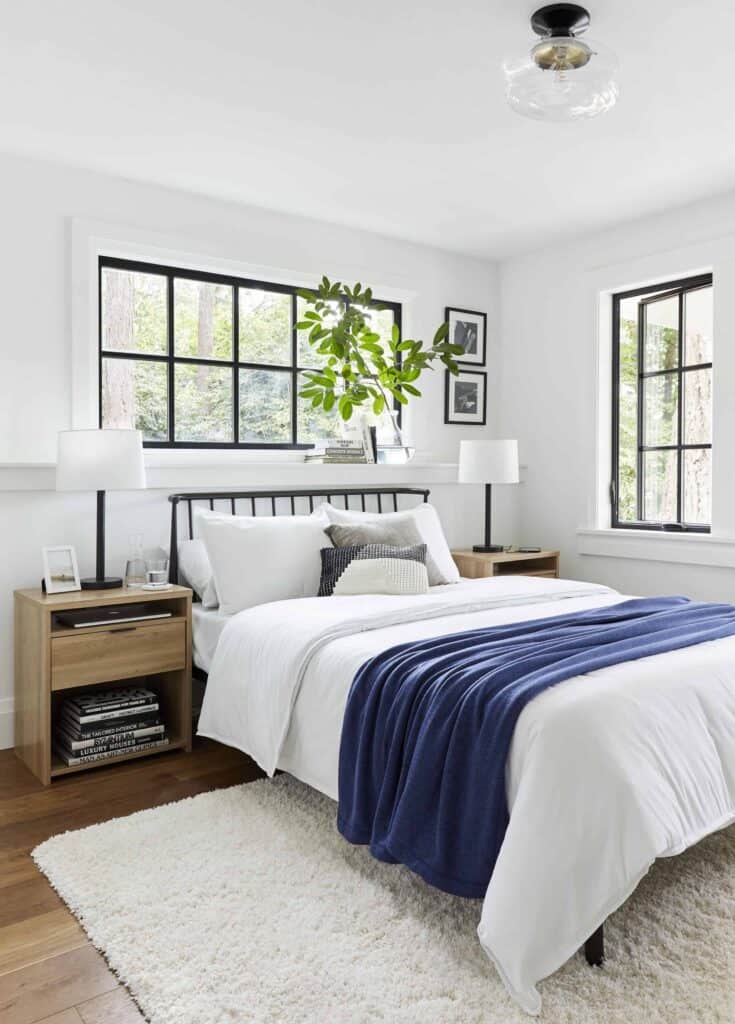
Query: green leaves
x: 441, y: 333
x: 345, y: 407
x: 362, y: 366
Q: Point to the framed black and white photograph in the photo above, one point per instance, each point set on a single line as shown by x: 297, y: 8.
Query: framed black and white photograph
x: 465, y: 397
x: 60, y: 570
x: 468, y: 329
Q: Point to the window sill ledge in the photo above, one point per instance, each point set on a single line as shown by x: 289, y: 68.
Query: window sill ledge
x: 173, y: 471
x: 649, y: 545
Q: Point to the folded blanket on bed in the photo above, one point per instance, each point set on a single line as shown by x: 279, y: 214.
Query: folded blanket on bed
x: 428, y: 727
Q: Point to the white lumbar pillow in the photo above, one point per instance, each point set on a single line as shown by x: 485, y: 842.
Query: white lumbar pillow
x: 202, y: 515
x: 383, y: 576
x: 427, y: 522
x: 256, y: 560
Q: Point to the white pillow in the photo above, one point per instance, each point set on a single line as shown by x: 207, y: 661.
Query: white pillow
x: 260, y: 559
x: 383, y: 576
x: 427, y: 522
x: 194, y: 564
x: 195, y: 570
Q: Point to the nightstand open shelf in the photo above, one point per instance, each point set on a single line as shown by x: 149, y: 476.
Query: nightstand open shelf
x: 475, y: 565
x: 54, y: 662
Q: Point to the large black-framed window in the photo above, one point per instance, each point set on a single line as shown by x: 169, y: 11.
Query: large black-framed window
x: 203, y: 360
x: 662, y: 406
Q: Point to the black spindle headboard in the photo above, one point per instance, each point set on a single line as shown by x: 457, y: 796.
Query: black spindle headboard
x: 267, y: 503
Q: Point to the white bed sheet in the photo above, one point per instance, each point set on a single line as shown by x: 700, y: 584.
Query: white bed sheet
x: 206, y: 627
x: 603, y: 776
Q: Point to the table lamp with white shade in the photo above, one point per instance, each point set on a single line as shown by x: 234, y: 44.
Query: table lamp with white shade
x: 488, y: 463
x: 100, y: 460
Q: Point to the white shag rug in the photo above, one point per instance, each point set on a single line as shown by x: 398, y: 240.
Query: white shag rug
x: 245, y: 906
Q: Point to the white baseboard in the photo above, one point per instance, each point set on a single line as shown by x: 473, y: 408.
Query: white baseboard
x: 6, y: 722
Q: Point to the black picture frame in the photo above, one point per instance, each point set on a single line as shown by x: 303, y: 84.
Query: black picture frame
x: 460, y: 323
x: 471, y: 418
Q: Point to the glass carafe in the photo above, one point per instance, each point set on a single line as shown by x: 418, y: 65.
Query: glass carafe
x: 135, y: 574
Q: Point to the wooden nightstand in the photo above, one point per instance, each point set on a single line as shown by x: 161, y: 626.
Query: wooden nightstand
x: 53, y: 661
x: 477, y: 564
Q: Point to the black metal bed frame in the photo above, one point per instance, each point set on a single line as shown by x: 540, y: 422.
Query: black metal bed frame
x: 594, y: 947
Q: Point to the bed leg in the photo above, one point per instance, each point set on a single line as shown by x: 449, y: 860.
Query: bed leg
x: 594, y: 948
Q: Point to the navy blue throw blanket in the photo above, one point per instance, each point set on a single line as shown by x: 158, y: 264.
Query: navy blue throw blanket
x: 428, y: 726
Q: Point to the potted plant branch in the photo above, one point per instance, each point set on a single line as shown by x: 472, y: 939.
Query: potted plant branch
x: 361, y: 369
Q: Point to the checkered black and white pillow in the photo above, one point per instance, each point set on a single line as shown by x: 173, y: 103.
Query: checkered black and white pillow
x: 390, y: 570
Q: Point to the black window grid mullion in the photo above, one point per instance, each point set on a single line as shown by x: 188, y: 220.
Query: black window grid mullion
x: 615, y: 454
x: 294, y: 370
x: 236, y: 364
x: 676, y: 447
x: 171, y: 362
x: 100, y: 346
x: 640, y: 461
x: 684, y: 369
x: 680, y: 417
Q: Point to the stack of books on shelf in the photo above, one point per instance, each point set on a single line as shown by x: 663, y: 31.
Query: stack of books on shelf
x: 348, y: 451
x: 96, y: 726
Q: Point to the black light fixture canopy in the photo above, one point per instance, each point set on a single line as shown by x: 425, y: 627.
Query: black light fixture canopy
x: 560, y: 20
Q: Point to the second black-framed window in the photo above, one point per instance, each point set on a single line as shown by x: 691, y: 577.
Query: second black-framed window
x: 201, y: 360
x: 662, y: 406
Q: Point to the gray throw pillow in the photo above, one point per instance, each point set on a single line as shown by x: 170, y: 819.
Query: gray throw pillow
x: 401, y: 535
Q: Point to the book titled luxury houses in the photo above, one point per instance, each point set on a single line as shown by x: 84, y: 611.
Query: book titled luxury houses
x: 92, y: 727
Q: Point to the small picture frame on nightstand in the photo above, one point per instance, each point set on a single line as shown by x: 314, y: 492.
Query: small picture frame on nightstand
x: 60, y: 569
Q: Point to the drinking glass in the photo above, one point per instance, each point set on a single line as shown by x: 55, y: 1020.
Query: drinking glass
x: 156, y: 572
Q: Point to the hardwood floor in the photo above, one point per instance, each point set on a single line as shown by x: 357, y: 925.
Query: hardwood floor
x: 49, y: 972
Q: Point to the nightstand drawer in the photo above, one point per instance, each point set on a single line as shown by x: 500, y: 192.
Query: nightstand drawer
x: 121, y: 653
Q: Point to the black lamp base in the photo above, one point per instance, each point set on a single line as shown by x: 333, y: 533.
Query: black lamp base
x: 106, y: 583
x: 487, y: 548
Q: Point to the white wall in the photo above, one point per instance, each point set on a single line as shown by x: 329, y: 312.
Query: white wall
x: 39, y: 204
x: 42, y: 206
x: 551, y: 321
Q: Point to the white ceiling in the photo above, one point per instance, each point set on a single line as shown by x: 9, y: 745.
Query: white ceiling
x: 388, y: 116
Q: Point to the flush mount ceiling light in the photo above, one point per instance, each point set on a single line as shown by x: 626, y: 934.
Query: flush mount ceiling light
x: 563, y: 78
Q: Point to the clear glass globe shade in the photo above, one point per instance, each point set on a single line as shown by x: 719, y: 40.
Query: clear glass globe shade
x: 563, y: 93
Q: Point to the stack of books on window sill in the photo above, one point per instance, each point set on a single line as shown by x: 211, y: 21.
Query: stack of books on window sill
x: 341, y: 453
x: 94, y: 727
x: 349, y: 450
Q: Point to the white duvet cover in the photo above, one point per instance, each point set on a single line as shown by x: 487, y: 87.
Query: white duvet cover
x: 606, y: 771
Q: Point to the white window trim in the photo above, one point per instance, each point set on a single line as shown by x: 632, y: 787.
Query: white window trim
x: 596, y: 537
x: 649, y: 545
x: 92, y: 239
